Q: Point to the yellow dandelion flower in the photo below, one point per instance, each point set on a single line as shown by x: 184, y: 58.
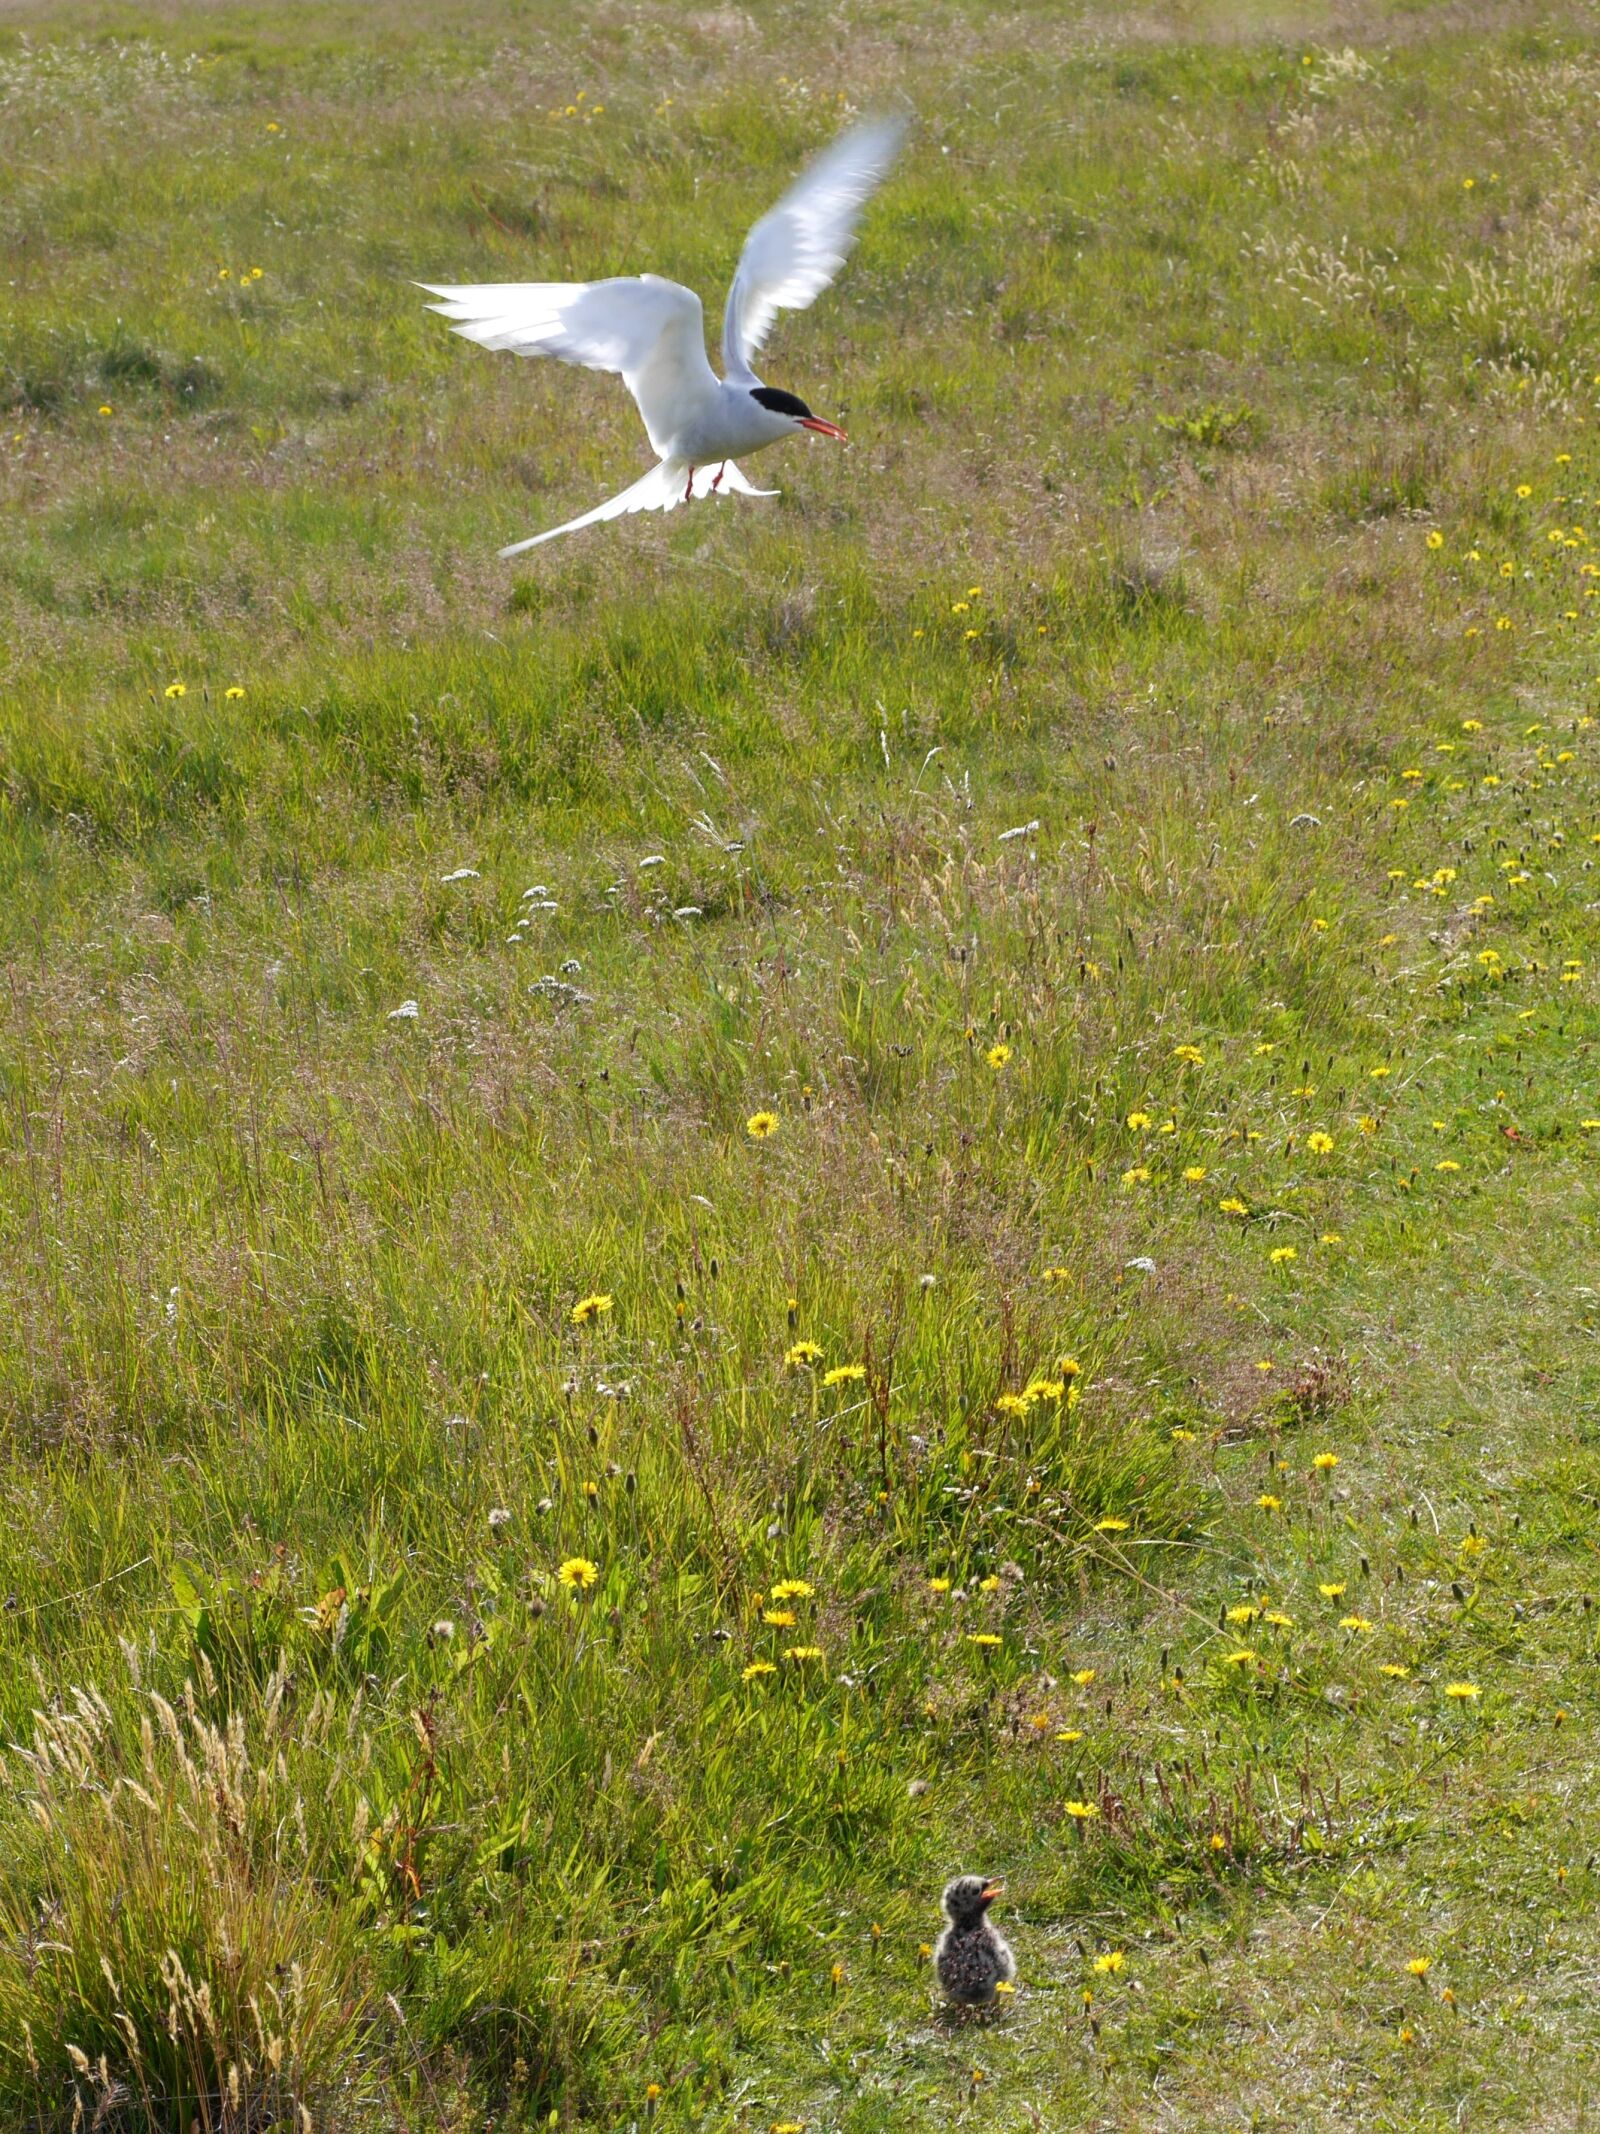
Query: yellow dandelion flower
x: 1320, y: 1144
x: 997, y: 1056
x: 1111, y: 1526
x: 791, y: 1589
x: 758, y: 1668
x: 1462, y: 1692
x: 1081, y: 1811
x: 802, y: 1356
x: 1325, y: 1462
x: 578, y: 1574
x: 591, y: 1307
x: 844, y: 1374
x: 1111, y: 1962
x: 760, y: 1124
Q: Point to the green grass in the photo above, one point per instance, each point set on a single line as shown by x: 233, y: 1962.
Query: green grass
x: 1091, y: 778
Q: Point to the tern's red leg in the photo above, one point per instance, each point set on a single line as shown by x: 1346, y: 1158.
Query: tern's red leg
x: 688, y: 491
x: 716, y: 479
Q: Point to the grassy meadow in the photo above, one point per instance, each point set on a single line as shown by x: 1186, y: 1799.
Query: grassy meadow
x: 825, y: 1190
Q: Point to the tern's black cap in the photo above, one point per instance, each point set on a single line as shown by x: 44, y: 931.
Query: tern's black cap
x: 780, y: 402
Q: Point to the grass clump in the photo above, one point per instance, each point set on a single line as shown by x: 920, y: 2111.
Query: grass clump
x: 171, y: 1952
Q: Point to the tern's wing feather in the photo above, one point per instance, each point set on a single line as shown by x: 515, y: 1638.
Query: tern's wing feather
x: 649, y: 330
x: 664, y: 488
x: 794, y: 251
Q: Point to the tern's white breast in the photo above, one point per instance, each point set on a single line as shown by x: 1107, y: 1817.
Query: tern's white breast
x: 727, y: 426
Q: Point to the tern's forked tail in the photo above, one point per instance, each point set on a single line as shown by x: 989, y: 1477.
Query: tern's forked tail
x: 664, y: 488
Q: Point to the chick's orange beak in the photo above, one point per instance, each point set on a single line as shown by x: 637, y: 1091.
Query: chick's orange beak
x: 823, y: 429
x: 991, y: 1890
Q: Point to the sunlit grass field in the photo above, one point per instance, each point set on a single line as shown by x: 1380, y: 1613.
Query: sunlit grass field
x: 828, y: 1190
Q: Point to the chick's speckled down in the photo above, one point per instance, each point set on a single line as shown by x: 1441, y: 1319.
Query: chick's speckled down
x: 971, y: 1958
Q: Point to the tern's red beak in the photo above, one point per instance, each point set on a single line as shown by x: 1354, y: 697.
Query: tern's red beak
x: 991, y: 1890
x: 823, y: 429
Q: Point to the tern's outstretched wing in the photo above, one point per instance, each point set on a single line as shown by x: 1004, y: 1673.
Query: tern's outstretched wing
x: 664, y: 488
x: 794, y: 251
x: 650, y: 331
